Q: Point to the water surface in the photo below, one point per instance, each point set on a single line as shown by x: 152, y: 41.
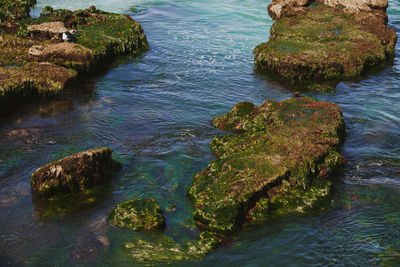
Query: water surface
x: 155, y: 112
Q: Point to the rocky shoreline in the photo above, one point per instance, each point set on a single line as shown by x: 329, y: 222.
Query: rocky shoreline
x: 278, y: 158
x: 36, y: 61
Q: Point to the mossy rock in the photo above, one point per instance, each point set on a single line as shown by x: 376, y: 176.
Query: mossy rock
x: 283, y: 155
x: 75, y: 173
x: 101, y: 36
x: 165, y: 250
x: 325, y: 45
x: 138, y: 214
x: 11, y: 11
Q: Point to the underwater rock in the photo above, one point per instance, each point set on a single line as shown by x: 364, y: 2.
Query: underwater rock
x: 281, y: 159
x: 138, y: 214
x: 322, y: 45
x: 166, y: 251
x: 100, y: 36
x: 74, y: 173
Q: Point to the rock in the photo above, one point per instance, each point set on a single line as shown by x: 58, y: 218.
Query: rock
x: 325, y: 45
x: 74, y: 173
x: 36, y: 50
x: 12, y: 11
x: 138, y: 214
x: 355, y: 6
x: 63, y: 54
x: 286, y: 8
x: 100, y: 36
x: 164, y: 250
x: 283, y: 157
x: 33, y: 79
x: 47, y: 30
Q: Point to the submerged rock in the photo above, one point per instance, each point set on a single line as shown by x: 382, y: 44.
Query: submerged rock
x: 24, y: 41
x: 323, y: 44
x: 74, y: 173
x: 281, y: 159
x: 138, y: 214
x: 165, y: 250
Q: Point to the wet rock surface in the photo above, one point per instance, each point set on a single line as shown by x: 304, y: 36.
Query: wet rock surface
x: 319, y: 46
x: 94, y: 38
x: 74, y: 173
x: 138, y: 214
x: 282, y: 159
x: 166, y: 251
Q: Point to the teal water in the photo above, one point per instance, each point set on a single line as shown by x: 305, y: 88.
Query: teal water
x: 155, y: 112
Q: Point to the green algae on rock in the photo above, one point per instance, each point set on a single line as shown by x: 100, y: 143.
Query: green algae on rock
x: 25, y: 41
x: 325, y: 44
x: 281, y: 159
x: 138, y: 214
x: 75, y: 173
x: 166, y: 251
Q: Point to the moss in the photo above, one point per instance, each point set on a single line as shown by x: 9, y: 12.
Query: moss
x: 75, y: 173
x: 166, y: 251
x: 290, y: 143
x: 12, y: 10
x: 324, y: 45
x: 106, y: 34
x: 138, y: 214
x: 34, y: 79
x: 101, y: 37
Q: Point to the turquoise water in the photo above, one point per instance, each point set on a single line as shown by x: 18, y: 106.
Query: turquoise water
x: 155, y: 112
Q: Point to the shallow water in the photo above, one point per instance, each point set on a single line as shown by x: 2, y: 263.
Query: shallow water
x: 155, y: 112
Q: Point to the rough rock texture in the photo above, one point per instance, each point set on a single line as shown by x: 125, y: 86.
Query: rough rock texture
x: 286, y: 8
x: 11, y: 11
x: 325, y: 44
x: 356, y: 6
x: 138, y: 214
x: 69, y: 55
x: 166, y: 251
x: 33, y: 79
x: 281, y: 159
x: 74, y: 173
x: 47, y: 30
x: 24, y: 41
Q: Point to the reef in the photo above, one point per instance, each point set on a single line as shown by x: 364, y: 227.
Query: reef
x: 315, y: 45
x: 36, y: 61
x: 282, y: 158
x: 138, y: 214
x: 75, y: 173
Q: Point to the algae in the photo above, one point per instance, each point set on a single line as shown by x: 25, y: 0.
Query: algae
x: 325, y: 45
x: 166, y: 251
x: 138, y: 214
x: 282, y: 159
x: 100, y: 37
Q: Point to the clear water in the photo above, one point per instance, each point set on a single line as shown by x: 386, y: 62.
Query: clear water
x: 155, y: 112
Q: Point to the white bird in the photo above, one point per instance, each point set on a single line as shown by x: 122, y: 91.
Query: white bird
x: 68, y: 36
